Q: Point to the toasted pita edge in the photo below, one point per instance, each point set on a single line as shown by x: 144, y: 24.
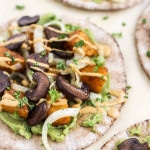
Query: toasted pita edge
x: 103, y: 6
x: 111, y: 144
x: 142, y: 39
x: 80, y: 137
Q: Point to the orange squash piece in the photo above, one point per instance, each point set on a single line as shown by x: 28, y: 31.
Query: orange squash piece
x: 60, y: 121
x: 89, y: 51
x: 95, y: 83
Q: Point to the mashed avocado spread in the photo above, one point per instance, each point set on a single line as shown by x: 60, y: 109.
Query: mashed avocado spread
x: 20, y: 127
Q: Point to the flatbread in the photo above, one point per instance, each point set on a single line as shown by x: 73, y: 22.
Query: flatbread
x: 144, y: 130
x: 80, y: 137
x: 142, y: 38
x: 106, y: 5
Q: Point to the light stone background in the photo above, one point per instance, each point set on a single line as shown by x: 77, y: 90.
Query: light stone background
x: 137, y: 108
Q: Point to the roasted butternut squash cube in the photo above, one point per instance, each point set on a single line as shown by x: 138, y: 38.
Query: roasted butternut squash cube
x: 95, y: 83
x: 87, y: 45
x: 60, y: 121
x: 10, y: 61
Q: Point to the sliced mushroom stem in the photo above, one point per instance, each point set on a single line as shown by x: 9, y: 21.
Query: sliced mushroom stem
x: 41, y: 88
x: 70, y: 91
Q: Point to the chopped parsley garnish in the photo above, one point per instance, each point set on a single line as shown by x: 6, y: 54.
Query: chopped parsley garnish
x: 36, y: 64
x: 62, y: 36
x: 22, y: 100
x: 54, y: 94
x: 99, y: 62
x: 148, y: 53
x: 105, y: 17
x: 79, y: 44
x: 118, y: 35
x: 144, y: 21
x: 20, y: 7
x: 61, y: 65
x: 75, y: 61
x: 7, y: 54
x: 31, y: 73
x: 8, y: 88
x: 123, y: 24
x: 42, y: 54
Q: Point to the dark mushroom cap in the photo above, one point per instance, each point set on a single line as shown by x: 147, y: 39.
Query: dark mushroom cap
x: 27, y: 20
x: 38, y: 113
x: 63, y: 54
x: 132, y: 144
x: 70, y: 91
x: 15, y: 46
x: 38, y: 58
x: 41, y: 89
x: 54, y: 33
x: 4, y: 81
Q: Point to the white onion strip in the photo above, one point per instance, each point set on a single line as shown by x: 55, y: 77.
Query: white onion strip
x: 52, y: 118
x: 18, y: 87
x: 60, y: 24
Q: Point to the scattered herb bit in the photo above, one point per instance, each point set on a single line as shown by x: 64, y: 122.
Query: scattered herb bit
x: 54, y: 95
x: 75, y: 61
x: 70, y: 28
x: 17, y: 95
x: 99, y: 62
x: 62, y: 36
x: 146, y: 139
x: 8, y: 88
x: 148, y: 53
x: 108, y: 95
x: 7, y: 54
x: 15, y: 114
x: 36, y: 64
x: 20, y: 7
x: 31, y: 72
x: 128, y: 87
x: 98, y: 1
x: 117, y: 35
x: 42, y: 54
x: 144, y: 21
x: 61, y: 65
x: 105, y: 17
x: 79, y: 43
x: 126, y: 96
x: 118, y: 143
x: 123, y: 24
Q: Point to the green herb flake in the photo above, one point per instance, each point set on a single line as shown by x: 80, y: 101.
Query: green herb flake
x: 105, y: 17
x: 144, y: 21
x: 79, y: 44
x: 54, y: 95
x: 61, y: 65
x: 75, y: 61
x: 42, y: 54
x: 8, y: 88
x: 62, y: 36
x: 99, y: 62
x: 123, y: 24
x: 20, y: 7
x: 7, y: 54
x: 31, y: 73
x: 36, y: 64
x: 148, y: 53
x: 117, y: 35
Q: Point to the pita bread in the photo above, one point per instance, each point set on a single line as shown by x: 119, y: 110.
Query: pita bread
x: 106, y: 5
x: 144, y: 132
x: 142, y: 38
x: 80, y: 137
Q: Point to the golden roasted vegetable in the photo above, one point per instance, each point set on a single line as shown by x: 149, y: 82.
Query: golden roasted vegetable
x: 22, y: 112
x: 10, y: 61
x: 95, y: 83
x: 56, y: 107
x: 86, y: 44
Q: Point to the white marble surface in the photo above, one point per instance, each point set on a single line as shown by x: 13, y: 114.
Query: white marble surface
x: 137, y: 107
